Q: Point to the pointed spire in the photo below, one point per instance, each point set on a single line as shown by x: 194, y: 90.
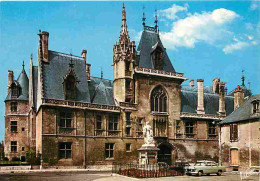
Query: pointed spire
x: 143, y: 17
x: 23, y: 65
x: 124, y: 26
x: 156, y: 21
x: 101, y: 73
x: 243, y: 78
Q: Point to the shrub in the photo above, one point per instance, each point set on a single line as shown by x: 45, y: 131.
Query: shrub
x: 32, y: 158
x: 16, y: 159
x: 5, y: 159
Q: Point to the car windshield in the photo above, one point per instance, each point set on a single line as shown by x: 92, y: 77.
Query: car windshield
x: 200, y: 164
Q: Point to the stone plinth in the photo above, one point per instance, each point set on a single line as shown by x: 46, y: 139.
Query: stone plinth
x: 148, y: 155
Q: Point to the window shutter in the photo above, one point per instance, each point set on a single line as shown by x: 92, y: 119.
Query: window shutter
x: 231, y: 131
x: 235, y: 132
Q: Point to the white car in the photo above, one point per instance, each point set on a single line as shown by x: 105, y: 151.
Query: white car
x: 205, y: 167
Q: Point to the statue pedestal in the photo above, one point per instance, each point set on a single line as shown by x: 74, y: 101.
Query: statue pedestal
x: 148, y: 154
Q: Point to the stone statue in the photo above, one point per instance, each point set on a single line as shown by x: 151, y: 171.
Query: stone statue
x: 148, y: 135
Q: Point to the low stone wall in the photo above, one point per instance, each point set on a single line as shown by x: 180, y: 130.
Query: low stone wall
x: 27, y: 167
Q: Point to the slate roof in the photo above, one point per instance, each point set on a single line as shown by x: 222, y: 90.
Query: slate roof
x: 244, y: 88
x: 242, y: 113
x: 149, y: 40
x: 55, y: 71
x: 22, y: 82
x: 101, y: 91
x: 206, y: 89
x: 189, y: 98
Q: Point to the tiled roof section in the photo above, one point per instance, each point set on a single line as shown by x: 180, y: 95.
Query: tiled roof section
x: 207, y: 89
x: 35, y: 84
x: 211, y: 102
x: 244, y: 88
x: 149, y: 40
x: 23, y: 82
x: 242, y: 113
x: 55, y: 71
x: 101, y: 91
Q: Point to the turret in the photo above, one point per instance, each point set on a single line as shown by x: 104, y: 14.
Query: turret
x: 123, y: 58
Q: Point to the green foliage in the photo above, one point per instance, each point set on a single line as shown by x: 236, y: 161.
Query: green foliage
x: 5, y: 159
x: 2, y: 155
x: 50, y: 150
x: 32, y: 158
x: 15, y: 159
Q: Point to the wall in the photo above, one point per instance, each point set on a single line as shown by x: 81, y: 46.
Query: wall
x: 248, y: 144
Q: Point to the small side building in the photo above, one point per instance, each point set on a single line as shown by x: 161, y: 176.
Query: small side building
x: 240, y: 134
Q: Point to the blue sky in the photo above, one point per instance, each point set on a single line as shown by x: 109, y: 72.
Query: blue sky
x: 203, y: 39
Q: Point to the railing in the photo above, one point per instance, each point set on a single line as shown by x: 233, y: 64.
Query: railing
x: 158, y: 72
x: 81, y: 104
x: 127, y: 104
x: 144, y: 171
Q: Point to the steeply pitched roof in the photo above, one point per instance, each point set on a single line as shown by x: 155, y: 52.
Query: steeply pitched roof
x: 244, y: 88
x: 242, y: 113
x: 206, y: 89
x: 150, y: 40
x: 101, y: 91
x: 55, y: 71
x: 22, y: 82
x: 211, y: 102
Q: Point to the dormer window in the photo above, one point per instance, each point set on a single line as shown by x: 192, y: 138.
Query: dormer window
x: 255, y: 104
x: 70, y: 87
x: 158, y: 60
x: 157, y: 57
x: 15, y: 91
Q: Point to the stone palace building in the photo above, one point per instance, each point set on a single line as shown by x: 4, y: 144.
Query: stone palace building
x: 74, y: 119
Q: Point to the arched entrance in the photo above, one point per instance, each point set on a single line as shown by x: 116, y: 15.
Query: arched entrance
x: 165, y: 153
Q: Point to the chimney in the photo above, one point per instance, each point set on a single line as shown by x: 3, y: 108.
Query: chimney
x: 84, y: 56
x: 45, y: 45
x: 238, y: 97
x: 200, y: 107
x: 222, y: 109
x: 215, y: 85
x: 10, y: 79
x: 88, y: 71
x: 192, y: 82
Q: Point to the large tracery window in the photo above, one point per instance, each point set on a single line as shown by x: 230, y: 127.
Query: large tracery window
x: 158, y: 100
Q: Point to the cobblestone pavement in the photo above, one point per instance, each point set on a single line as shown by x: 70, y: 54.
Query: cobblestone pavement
x: 107, y: 176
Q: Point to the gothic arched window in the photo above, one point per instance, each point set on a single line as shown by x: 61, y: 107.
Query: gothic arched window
x: 70, y: 87
x: 159, y: 100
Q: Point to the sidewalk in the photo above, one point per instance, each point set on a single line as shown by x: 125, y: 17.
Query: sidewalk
x: 54, y: 170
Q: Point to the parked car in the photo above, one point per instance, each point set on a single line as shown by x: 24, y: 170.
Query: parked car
x: 205, y: 167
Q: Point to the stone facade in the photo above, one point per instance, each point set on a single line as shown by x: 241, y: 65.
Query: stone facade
x: 74, y: 119
x: 240, y: 135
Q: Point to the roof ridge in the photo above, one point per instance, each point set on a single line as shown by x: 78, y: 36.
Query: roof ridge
x: 70, y: 55
x: 101, y: 78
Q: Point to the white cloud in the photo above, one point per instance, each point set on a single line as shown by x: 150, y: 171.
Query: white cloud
x: 235, y: 46
x: 171, y: 13
x: 207, y: 27
x: 254, y: 5
x: 249, y: 26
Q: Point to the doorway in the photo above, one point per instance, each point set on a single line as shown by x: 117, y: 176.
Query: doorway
x: 165, y: 153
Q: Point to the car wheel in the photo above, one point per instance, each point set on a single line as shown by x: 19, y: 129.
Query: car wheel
x: 200, y: 173
x: 219, y: 173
